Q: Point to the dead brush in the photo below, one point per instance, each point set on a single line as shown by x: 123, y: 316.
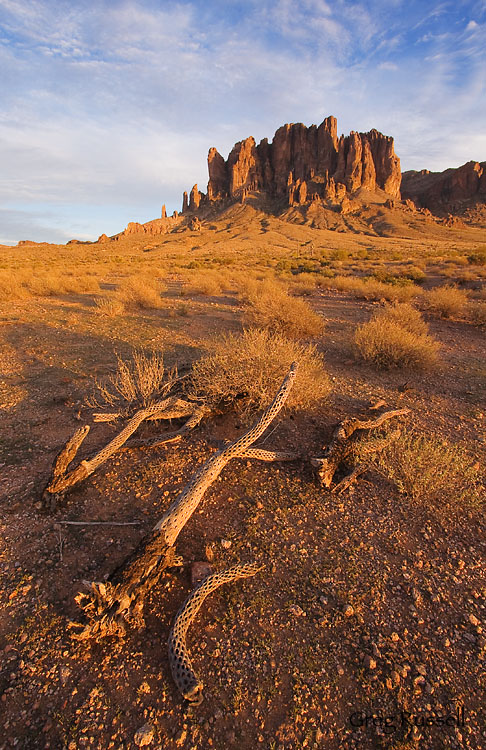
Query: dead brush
x: 445, y: 301
x: 244, y: 369
x: 270, y: 306
x: 141, y: 292
x: 396, y: 337
x: 110, y: 307
x: 135, y: 383
x: 432, y: 472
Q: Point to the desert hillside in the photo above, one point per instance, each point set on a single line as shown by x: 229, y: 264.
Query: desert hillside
x: 369, y: 598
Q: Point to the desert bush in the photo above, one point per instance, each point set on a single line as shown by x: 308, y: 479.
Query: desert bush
x: 476, y: 311
x: 141, y: 291
x: 253, y: 364
x: 270, y: 306
x: 304, y: 284
x: 445, y: 300
x: 404, y: 315
x: 477, y: 258
x: 431, y: 472
x: 371, y: 289
x: 209, y: 283
x: 111, y: 307
x: 137, y: 381
x: 387, y: 342
x: 415, y: 274
x: 11, y: 287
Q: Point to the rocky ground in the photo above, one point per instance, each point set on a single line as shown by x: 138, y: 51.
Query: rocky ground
x: 368, y: 619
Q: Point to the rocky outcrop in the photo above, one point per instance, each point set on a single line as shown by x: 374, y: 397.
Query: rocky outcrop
x: 305, y: 163
x: 449, y: 191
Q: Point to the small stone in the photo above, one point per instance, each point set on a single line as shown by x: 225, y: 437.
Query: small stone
x: 395, y: 678
x: 395, y: 637
x: 144, y: 735
x: 297, y: 611
x: 369, y: 662
x: 421, y: 669
x: 225, y: 543
x: 348, y: 610
x: 473, y: 620
x: 181, y: 737
x: 200, y: 571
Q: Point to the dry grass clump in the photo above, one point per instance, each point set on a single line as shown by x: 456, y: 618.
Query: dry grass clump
x: 445, y: 300
x: 11, y: 287
x: 111, y: 307
x: 30, y: 283
x: 142, y: 292
x: 253, y: 364
x: 270, y: 306
x: 371, y: 289
x: 304, y: 284
x: 139, y: 381
x: 396, y: 337
x: 477, y: 312
x: 209, y: 283
x: 405, y: 315
x: 432, y: 472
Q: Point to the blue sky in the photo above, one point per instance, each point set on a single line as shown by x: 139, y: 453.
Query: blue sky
x: 108, y: 108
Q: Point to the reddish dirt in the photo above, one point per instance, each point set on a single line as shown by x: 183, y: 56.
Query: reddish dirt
x: 368, y: 606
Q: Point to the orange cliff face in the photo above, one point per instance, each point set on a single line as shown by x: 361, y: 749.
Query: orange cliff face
x: 303, y: 164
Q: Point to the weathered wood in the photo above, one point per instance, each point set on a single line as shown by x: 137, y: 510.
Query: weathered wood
x: 62, y: 480
x: 110, y: 605
x: 341, y: 446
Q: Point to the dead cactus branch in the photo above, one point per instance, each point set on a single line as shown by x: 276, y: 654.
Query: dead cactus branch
x: 183, y: 673
x: 341, y: 446
x: 62, y: 480
x: 109, y: 605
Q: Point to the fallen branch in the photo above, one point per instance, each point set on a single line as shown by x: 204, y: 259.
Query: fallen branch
x: 341, y: 445
x: 184, y: 676
x: 110, y: 605
x: 100, y: 523
x: 62, y: 480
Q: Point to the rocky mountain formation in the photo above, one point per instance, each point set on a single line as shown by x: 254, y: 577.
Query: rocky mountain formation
x: 302, y: 164
x: 344, y: 183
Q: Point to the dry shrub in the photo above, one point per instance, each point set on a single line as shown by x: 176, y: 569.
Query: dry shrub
x: 389, y: 341
x: 111, y: 307
x: 270, y: 306
x: 477, y: 313
x: 371, y: 289
x: 406, y: 316
x: 253, y: 365
x: 29, y: 283
x: 445, y: 300
x: 11, y: 287
x: 138, y: 381
x: 305, y: 283
x: 141, y: 291
x: 209, y: 283
x: 432, y: 472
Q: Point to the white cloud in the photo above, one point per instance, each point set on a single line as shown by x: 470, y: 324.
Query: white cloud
x: 116, y: 103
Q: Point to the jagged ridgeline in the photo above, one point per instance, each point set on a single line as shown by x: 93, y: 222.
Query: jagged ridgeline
x: 344, y: 183
x: 302, y: 164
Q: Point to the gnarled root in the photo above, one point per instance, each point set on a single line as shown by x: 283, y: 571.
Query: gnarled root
x: 183, y: 673
x: 341, y: 445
